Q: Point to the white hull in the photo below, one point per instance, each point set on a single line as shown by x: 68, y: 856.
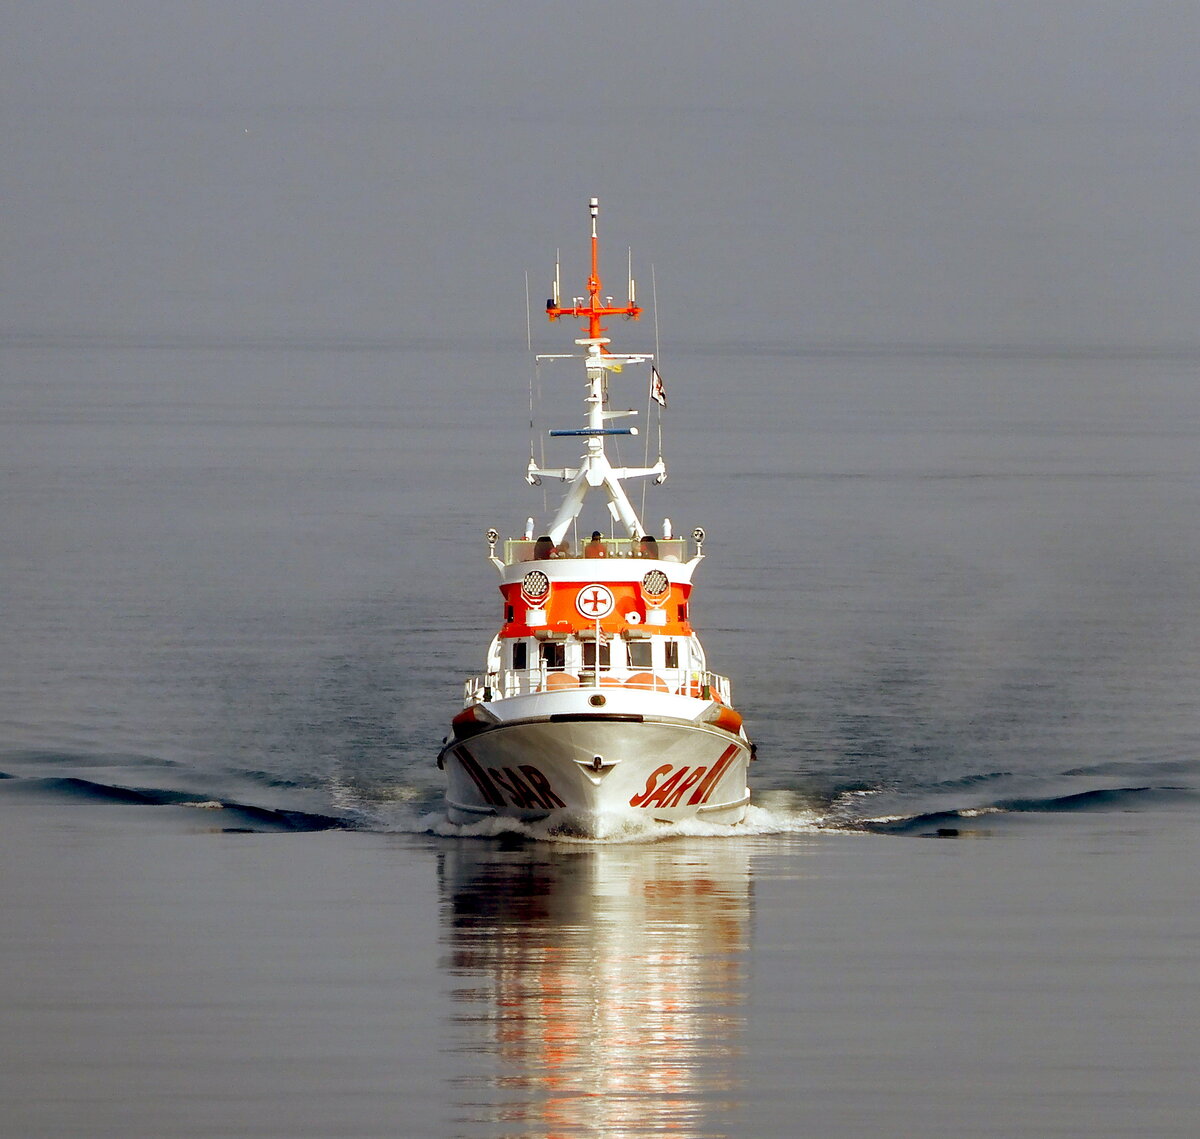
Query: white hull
x: 595, y: 773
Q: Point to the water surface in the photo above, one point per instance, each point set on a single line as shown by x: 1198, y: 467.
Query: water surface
x: 242, y: 585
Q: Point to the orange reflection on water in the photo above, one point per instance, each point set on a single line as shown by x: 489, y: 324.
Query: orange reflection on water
x: 600, y: 990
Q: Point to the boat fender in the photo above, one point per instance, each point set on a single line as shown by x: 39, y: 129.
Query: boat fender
x: 722, y: 716
x: 471, y: 721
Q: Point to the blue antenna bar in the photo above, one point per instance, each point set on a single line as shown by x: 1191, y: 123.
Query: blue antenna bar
x: 598, y: 431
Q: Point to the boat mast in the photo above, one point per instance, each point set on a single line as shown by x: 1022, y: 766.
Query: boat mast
x: 595, y: 469
x: 594, y: 309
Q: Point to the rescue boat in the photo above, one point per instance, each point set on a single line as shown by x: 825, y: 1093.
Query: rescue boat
x: 597, y: 711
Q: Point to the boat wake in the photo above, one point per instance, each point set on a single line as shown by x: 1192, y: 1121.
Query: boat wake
x: 147, y: 781
x: 240, y: 801
x: 759, y: 821
x: 1097, y: 800
x: 234, y: 815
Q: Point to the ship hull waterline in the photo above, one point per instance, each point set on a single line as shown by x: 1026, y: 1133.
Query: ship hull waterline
x: 597, y: 776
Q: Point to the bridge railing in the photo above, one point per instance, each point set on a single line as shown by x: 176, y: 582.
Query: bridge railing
x: 507, y: 682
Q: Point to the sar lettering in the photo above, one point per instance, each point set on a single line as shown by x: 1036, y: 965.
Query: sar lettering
x: 638, y: 800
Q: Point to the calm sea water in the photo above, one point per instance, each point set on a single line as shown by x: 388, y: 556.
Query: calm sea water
x: 242, y: 583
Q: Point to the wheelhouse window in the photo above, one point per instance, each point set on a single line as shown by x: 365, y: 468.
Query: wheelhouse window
x: 640, y: 654
x: 672, y: 654
x: 520, y: 655
x: 554, y: 655
x: 589, y: 655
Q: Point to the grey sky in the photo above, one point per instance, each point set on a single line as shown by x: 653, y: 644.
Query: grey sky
x: 827, y: 172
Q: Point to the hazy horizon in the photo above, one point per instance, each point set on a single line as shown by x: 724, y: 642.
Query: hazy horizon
x: 839, y: 174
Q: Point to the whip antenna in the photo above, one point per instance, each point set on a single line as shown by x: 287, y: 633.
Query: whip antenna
x: 650, y: 398
x: 528, y: 318
x: 654, y: 305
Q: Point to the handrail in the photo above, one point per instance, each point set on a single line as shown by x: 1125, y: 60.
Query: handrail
x: 669, y: 549
x: 508, y: 682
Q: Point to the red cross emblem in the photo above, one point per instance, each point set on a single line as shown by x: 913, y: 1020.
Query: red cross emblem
x: 595, y: 601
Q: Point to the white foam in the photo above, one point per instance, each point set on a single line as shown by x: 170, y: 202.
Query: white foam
x: 758, y: 821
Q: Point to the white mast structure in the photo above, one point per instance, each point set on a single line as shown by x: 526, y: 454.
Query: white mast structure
x: 595, y: 470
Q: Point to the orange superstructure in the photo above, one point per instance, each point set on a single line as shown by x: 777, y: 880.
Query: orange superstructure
x: 571, y: 607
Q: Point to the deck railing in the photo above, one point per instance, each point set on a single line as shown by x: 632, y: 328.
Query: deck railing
x: 669, y: 549
x: 506, y: 682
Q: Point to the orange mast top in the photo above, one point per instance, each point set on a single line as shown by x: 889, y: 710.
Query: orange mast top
x: 593, y: 308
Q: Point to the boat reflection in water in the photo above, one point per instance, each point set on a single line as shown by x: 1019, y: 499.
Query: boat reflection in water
x: 598, y: 991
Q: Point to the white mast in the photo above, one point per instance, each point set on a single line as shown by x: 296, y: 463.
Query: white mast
x: 595, y: 470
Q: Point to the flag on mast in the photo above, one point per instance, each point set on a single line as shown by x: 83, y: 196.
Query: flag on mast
x: 658, y: 392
